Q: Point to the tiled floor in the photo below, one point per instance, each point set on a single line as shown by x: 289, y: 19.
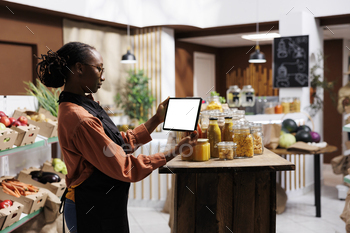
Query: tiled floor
x: 299, y: 215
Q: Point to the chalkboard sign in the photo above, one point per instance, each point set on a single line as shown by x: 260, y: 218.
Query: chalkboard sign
x: 291, y: 61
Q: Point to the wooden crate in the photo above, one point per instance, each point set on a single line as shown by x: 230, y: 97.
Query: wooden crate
x: 56, y: 188
x: 10, y: 215
x: 26, y: 134
x: 7, y: 133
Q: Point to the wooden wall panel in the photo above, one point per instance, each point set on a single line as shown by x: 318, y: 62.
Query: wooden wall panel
x: 332, y: 120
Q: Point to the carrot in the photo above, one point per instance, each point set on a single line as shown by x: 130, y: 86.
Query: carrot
x: 9, y: 191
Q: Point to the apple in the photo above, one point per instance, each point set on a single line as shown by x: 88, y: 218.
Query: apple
x: 2, y: 114
x: 16, y: 123
x: 12, y: 120
x: 23, y: 120
x: 5, y: 120
x: 2, y: 126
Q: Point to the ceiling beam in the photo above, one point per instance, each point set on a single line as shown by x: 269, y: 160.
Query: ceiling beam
x: 334, y: 20
x: 226, y: 30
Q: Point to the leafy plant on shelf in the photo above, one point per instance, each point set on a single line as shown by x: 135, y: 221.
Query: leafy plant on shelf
x: 222, y: 99
x: 316, y: 84
x: 47, y: 99
x: 134, y: 97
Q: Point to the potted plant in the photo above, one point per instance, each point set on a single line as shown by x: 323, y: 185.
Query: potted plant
x: 134, y: 97
x: 316, y: 84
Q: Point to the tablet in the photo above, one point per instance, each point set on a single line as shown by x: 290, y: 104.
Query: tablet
x: 182, y: 114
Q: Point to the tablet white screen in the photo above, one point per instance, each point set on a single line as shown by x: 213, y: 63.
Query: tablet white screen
x: 182, y: 114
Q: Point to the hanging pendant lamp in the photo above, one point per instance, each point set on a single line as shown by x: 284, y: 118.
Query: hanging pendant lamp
x: 257, y: 56
x: 128, y: 58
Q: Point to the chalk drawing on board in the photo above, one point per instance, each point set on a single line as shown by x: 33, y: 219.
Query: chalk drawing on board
x: 282, y: 79
x: 293, y: 49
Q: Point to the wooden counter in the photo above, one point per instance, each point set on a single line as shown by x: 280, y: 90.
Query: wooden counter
x: 226, y: 196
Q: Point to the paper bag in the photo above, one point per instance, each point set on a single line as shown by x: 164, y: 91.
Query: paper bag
x: 272, y: 134
x: 340, y: 164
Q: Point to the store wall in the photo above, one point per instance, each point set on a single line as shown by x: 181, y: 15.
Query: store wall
x: 184, y: 53
x: 332, y: 120
x: 32, y: 31
x: 238, y: 57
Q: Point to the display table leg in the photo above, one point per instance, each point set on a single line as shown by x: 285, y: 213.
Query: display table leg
x: 317, y: 177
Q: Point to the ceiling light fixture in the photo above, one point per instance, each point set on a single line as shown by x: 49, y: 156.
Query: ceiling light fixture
x: 128, y: 58
x: 257, y: 56
x: 262, y: 36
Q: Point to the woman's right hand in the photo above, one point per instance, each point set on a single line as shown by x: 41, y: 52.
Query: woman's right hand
x: 185, y: 145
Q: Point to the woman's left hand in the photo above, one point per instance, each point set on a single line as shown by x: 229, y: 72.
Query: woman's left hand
x: 161, y: 110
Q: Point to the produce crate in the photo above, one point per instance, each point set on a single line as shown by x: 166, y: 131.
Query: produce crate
x: 47, y: 129
x: 7, y: 133
x: 26, y: 134
x: 56, y: 188
x: 10, y: 215
x: 47, y: 167
x: 31, y: 203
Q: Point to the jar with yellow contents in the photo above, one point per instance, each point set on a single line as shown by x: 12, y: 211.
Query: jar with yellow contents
x: 201, y: 152
x: 227, y: 131
x: 214, y: 103
x: 214, y: 136
x: 244, y: 140
x: 257, y: 132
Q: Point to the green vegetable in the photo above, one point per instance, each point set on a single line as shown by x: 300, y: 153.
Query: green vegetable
x: 290, y: 125
x: 222, y: 99
x: 286, y: 140
x: 46, y: 98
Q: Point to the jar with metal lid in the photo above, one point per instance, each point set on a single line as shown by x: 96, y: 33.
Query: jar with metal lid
x: 227, y: 150
x: 248, y: 96
x: 241, y: 116
x: 233, y: 96
x: 296, y: 104
x: 227, y: 131
x: 244, y: 140
x: 269, y: 108
x: 286, y: 105
x: 221, y: 118
x: 278, y: 108
x: 201, y: 152
x: 214, y: 136
x: 258, y: 138
x: 214, y: 103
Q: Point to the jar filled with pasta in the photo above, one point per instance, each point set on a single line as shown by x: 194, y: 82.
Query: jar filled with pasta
x: 214, y: 136
x: 244, y: 140
x: 286, y: 105
x: 257, y: 132
x: 227, y: 150
x: 227, y: 132
x: 214, y: 103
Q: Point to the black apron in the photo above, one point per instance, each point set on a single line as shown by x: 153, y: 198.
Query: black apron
x: 101, y: 201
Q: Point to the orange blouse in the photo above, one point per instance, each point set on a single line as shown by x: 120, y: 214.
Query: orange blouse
x: 85, y: 145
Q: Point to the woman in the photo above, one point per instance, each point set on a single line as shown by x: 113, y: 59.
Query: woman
x: 98, y: 157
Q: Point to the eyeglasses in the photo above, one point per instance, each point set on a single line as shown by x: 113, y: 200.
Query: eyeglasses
x: 100, y: 69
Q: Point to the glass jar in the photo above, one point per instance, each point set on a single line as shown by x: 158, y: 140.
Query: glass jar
x: 278, y: 108
x: 227, y: 150
x: 186, y: 156
x: 233, y: 96
x: 241, y: 116
x: 201, y: 152
x: 286, y: 105
x: 214, y: 136
x: 227, y: 132
x: 269, y: 108
x: 244, y: 140
x: 296, y: 104
x: 221, y: 118
x: 204, y: 122
x: 258, y: 138
x: 248, y: 96
x: 214, y: 103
